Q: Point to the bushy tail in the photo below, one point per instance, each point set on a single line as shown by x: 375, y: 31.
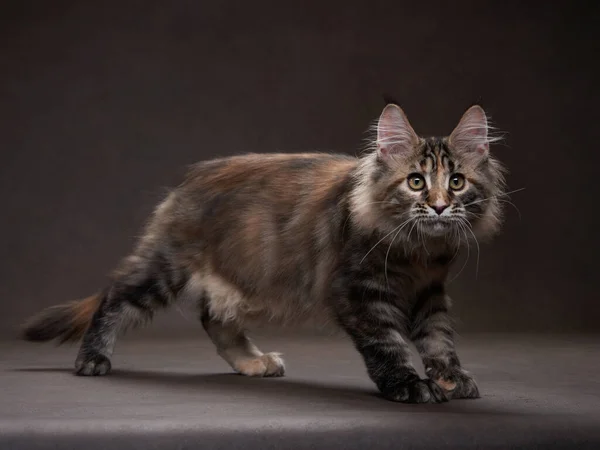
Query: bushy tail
x: 66, y: 322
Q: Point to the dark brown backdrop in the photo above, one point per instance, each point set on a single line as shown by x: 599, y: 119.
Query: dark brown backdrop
x: 102, y: 104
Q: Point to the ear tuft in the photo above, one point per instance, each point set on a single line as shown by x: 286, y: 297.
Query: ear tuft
x: 389, y: 99
x: 395, y: 136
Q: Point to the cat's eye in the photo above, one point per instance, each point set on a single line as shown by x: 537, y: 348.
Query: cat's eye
x: 416, y: 182
x: 457, y: 182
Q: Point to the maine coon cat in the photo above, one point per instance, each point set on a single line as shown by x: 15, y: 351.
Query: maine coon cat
x: 366, y: 241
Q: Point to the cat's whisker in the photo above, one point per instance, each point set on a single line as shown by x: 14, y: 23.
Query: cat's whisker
x: 470, y: 230
x: 478, y: 215
x: 409, y: 233
x: 387, y: 282
x: 422, y: 236
x: 465, y: 222
x: 382, y: 239
x: 461, y: 226
x: 493, y: 196
x: 455, y: 231
x: 511, y: 204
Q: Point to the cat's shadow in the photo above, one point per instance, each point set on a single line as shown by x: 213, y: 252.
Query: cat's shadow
x: 290, y: 390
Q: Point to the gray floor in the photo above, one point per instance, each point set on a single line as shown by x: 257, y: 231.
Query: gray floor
x: 538, y: 392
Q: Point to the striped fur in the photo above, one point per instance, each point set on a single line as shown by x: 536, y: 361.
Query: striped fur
x: 290, y: 237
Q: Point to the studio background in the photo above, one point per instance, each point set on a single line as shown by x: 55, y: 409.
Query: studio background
x: 104, y: 104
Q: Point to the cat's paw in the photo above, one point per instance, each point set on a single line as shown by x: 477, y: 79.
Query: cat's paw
x: 92, y: 365
x: 275, y: 365
x: 267, y: 365
x: 417, y: 391
x: 458, y: 383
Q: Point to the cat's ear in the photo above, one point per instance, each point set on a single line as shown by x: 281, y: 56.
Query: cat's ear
x: 470, y: 137
x: 395, y: 136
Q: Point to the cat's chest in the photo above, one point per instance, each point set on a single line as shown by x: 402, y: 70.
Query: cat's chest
x: 431, y: 271
x: 402, y: 277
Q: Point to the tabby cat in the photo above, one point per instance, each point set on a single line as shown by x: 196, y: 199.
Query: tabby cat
x: 366, y: 241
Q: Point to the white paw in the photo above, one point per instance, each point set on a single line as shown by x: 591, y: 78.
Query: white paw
x: 267, y: 365
x: 275, y: 365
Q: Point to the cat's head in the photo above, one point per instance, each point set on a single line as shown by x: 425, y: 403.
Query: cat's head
x: 439, y: 186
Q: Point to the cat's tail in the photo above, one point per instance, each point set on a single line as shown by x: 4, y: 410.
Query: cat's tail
x: 66, y: 322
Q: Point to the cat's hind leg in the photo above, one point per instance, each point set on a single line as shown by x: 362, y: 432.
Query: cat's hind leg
x: 238, y: 350
x: 221, y: 307
x: 140, y: 287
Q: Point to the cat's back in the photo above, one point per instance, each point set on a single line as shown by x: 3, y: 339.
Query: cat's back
x: 279, y: 171
x: 277, y: 197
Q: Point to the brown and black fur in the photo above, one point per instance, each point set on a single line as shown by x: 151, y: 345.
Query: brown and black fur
x: 285, y: 237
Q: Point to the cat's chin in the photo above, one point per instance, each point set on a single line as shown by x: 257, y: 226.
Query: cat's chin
x: 437, y: 228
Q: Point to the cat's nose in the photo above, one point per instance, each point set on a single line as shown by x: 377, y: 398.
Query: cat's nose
x: 439, y: 209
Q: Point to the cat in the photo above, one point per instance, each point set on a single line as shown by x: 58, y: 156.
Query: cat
x: 366, y: 241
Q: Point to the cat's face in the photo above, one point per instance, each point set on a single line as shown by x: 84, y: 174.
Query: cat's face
x: 439, y: 191
x: 422, y: 187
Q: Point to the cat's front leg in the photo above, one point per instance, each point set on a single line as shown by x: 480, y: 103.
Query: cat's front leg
x: 375, y: 325
x: 433, y: 335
